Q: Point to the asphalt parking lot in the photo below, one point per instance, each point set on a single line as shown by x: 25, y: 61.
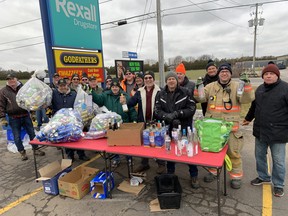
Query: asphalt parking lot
x: 21, y: 195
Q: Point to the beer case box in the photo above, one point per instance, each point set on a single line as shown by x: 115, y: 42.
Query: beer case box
x: 100, y: 186
x: 51, y: 173
x: 76, y: 184
x: 129, y: 134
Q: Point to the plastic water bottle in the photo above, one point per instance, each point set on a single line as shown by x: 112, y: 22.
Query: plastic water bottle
x: 167, y: 143
x: 240, y: 89
x: 200, y: 88
x: 146, y: 140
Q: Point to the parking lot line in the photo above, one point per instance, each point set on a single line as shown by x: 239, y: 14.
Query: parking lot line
x: 267, y: 195
x: 26, y: 197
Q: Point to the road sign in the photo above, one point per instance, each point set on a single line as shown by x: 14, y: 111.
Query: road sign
x: 126, y: 54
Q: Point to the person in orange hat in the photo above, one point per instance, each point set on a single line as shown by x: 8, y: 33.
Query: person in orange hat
x: 183, y: 79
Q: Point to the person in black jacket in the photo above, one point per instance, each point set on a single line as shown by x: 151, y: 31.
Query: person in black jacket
x: 64, y: 97
x: 211, y: 76
x: 175, y: 105
x: 270, y: 110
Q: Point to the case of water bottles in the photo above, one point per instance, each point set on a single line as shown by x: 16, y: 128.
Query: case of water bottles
x: 154, y: 134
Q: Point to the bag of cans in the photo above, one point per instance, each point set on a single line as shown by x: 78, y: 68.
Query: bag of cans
x: 34, y: 95
x: 65, y: 126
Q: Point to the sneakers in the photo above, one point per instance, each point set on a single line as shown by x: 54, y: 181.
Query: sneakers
x: 209, y: 177
x: 161, y: 169
x: 236, y: 183
x: 194, y: 182
x: 39, y: 152
x: 115, y: 163
x: 278, y: 192
x: 23, y: 155
x: 257, y: 181
x: 84, y: 158
x: 141, y: 168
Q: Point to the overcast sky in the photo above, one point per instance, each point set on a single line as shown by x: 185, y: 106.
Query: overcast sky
x: 187, y: 30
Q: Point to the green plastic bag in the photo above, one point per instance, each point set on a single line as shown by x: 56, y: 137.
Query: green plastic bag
x: 213, y: 134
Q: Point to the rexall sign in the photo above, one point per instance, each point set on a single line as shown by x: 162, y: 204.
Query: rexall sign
x: 75, y: 23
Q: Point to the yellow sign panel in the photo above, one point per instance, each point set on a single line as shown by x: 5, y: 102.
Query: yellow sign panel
x: 74, y: 59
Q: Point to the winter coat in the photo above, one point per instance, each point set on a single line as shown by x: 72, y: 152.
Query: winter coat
x: 8, y: 103
x: 189, y: 85
x: 112, y: 103
x: 60, y: 100
x: 140, y: 99
x: 182, y: 102
x: 206, y: 80
x: 218, y: 98
x: 270, y: 110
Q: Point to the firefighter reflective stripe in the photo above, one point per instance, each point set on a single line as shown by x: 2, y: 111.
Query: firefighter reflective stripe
x: 248, y: 88
x: 235, y: 126
x: 235, y: 175
x: 222, y: 108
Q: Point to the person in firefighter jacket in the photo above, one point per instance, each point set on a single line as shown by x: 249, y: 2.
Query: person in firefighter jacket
x: 224, y: 103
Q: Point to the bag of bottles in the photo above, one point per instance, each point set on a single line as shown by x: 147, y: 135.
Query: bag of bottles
x: 213, y: 133
x: 65, y: 126
x: 105, y: 121
x: 83, y: 104
x: 34, y: 95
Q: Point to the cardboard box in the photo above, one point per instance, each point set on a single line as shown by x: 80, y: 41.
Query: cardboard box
x: 76, y: 184
x: 98, y: 187
x: 50, y: 174
x: 129, y: 134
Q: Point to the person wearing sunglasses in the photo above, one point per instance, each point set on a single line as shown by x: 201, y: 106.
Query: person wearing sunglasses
x: 108, y: 82
x: 75, y: 82
x: 145, y: 99
x: 128, y: 83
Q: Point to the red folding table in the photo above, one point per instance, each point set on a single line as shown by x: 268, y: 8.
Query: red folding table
x: 204, y: 159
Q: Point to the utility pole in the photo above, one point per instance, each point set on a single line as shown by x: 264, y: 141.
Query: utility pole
x: 160, y: 45
x: 255, y: 22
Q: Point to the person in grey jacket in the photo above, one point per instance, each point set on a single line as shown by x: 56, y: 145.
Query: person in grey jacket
x: 183, y: 80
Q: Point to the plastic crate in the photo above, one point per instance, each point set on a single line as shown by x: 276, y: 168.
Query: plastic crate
x: 169, y: 191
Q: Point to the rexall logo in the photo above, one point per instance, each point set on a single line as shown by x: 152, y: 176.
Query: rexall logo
x: 83, y: 16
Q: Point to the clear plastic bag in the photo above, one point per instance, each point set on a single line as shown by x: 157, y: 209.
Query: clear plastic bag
x: 34, y: 95
x: 102, y: 121
x: 65, y: 126
x: 83, y: 105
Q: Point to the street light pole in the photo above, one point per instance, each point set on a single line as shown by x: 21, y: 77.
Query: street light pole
x: 255, y: 37
x: 160, y: 45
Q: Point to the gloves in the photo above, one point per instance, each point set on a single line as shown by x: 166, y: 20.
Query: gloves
x: 4, y: 122
x: 244, y: 77
x: 171, y: 116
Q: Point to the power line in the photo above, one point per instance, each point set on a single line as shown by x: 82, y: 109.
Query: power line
x: 20, y: 23
x: 21, y: 46
x: 21, y: 40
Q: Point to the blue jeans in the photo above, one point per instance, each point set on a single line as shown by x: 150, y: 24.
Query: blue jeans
x: 16, y: 124
x: 278, y: 152
x: 41, y: 117
x: 193, y: 170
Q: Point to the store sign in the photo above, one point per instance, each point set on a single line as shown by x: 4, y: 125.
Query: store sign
x: 72, y: 21
x: 71, y: 62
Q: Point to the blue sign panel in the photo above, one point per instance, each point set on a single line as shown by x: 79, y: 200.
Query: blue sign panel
x: 75, y: 23
x: 132, y: 55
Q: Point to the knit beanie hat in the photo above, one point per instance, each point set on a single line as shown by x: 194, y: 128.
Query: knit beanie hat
x: 210, y: 63
x: 151, y: 73
x: 75, y: 75
x: 224, y: 66
x: 115, y: 82
x: 108, y: 77
x: 180, y: 68
x: 271, y: 68
x: 171, y: 74
x: 139, y: 75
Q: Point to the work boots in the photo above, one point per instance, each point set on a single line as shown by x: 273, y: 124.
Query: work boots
x: 23, y: 155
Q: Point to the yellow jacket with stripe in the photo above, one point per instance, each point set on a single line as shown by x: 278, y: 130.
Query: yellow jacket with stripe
x: 223, y: 103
